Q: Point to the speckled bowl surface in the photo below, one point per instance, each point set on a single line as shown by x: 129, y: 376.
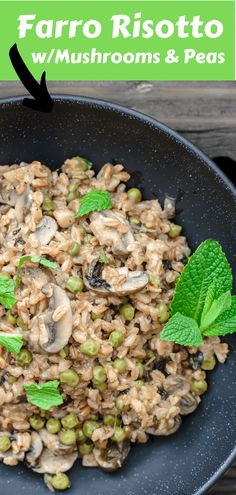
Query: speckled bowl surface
x: 161, y: 162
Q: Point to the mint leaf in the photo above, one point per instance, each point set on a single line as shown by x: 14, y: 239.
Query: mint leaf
x: 94, y: 200
x: 13, y: 343
x: 44, y: 262
x: 7, y: 296
x: 182, y: 330
x: 207, y: 265
x: 35, y: 258
x: 218, y: 306
x: 209, y: 299
x: 44, y: 396
x: 102, y: 257
x: 22, y: 261
x: 224, y: 324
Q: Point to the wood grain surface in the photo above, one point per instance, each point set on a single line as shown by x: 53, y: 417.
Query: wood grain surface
x: 203, y: 112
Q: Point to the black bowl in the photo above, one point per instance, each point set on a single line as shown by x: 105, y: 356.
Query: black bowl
x: 161, y: 162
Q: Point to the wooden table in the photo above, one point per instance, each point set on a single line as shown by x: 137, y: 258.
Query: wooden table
x: 203, y: 112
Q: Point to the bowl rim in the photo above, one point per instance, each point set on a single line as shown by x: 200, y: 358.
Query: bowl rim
x: 153, y: 122
x: 213, y: 167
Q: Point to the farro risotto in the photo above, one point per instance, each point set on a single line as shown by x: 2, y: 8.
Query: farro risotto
x: 92, y: 296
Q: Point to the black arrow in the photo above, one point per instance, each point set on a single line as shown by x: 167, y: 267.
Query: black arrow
x: 39, y: 91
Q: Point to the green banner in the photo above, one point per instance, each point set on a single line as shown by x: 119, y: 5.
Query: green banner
x: 117, y: 40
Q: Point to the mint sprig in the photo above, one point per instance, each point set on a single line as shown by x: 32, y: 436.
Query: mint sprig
x: 202, y: 304
x: 44, y: 396
x: 182, y: 330
x: 34, y: 258
x: 13, y: 343
x: 206, y: 266
x: 94, y: 200
x: 7, y: 296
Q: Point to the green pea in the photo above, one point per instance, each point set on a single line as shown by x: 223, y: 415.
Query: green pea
x: 4, y: 275
x: 75, y: 284
x: 72, y: 195
x: 163, y: 312
x: 96, y: 316
x: 127, y: 311
x: 80, y: 436
x: 20, y: 323
x: 120, y: 402
x: 134, y: 194
x: 110, y: 420
x: 150, y: 354
x: 24, y: 357
x: 74, y: 250
x: 199, y: 387
x: 87, y: 238
x: 85, y: 448
x: 208, y: 363
x: 90, y: 348
x: 36, y: 422
x: 99, y: 374
x: 174, y: 231
x: 94, y: 417
x: 89, y: 427
x: 73, y: 187
x: 119, y: 434
x: 141, y: 369
x: 69, y: 377
x: 53, y: 425
x: 116, y: 338
x: 154, y: 280
x: 134, y: 221
x: 65, y: 351
x: 48, y: 204
x: 44, y: 413
x: 99, y: 386
x: 60, y: 481
x: 70, y: 421
x: 84, y: 163
x: 120, y: 365
x: 10, y: 318
x: 67, y: 437
x: 11, y: 379
x: 5, y: 443
x: 138, y: 383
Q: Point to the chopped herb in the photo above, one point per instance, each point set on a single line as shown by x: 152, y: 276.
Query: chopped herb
x: 7, y: 296
x: 102, y: 257
x: 94, y: 200
x: 202, y: 304
x: 13, y: 343
x: 44, y: 396
x: 34, y: 258
x: 44, y: 262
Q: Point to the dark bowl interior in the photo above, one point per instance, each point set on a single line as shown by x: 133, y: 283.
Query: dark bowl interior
x: 161, y: 162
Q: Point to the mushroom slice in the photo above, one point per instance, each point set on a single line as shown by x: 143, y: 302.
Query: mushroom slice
x: 46, y: 230
x: 176, y: 385
x: 120, y: 282
x: 21, y: 202
x: 53, y: 336
x: 165, y: 432
x: 35, y: 450
x: 112, y: 229
x: 89, y: 461
x: 53, y: 443
x: 112, y: 458
x: 52, y: 464
x: 188, y: 404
